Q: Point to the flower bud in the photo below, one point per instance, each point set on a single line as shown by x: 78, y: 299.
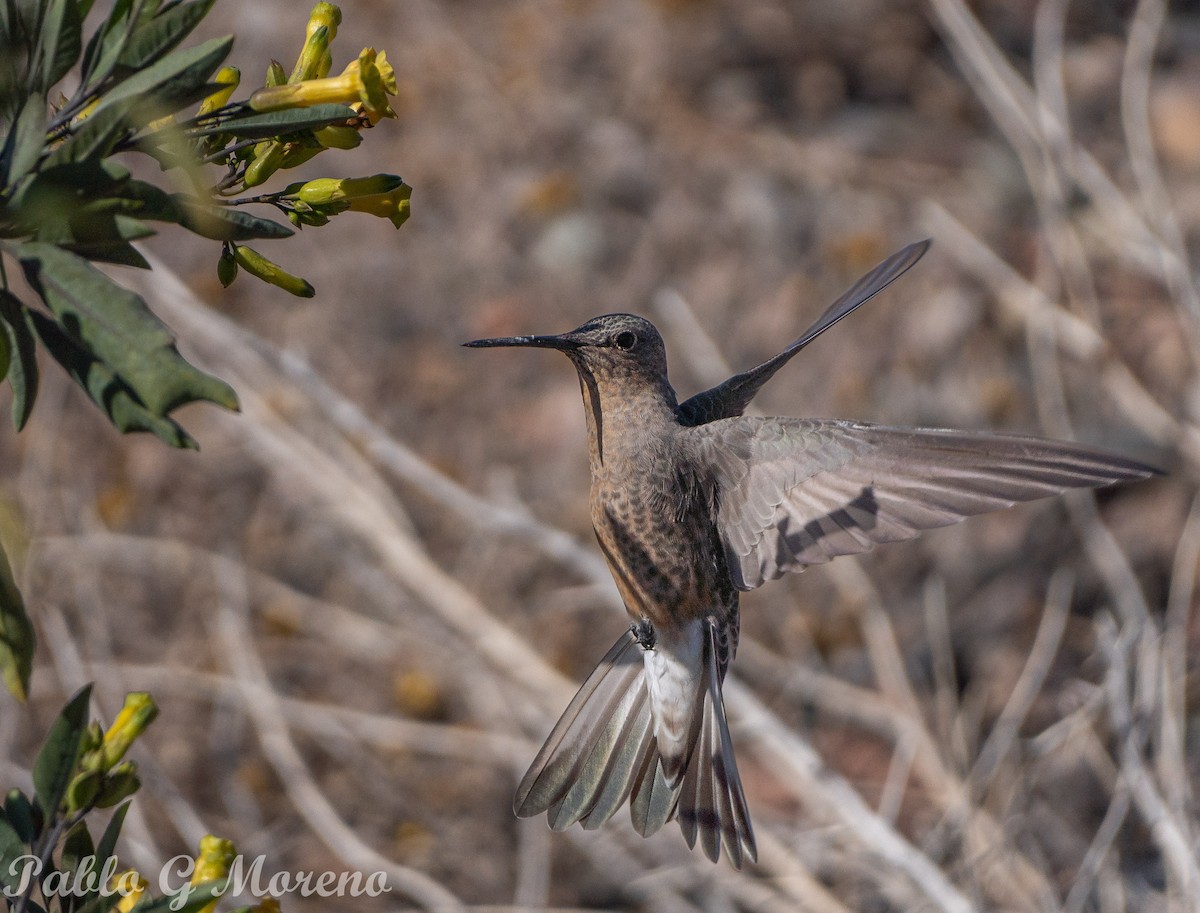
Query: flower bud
x: 338, y: 137
x: 259, y: 266
x: 276, y: 74
x: 266, y: 163
x: 227, y: 268
x: 314, y: 60
x: 138, y: 713
x: 228, y: 78
x: 121, y: 783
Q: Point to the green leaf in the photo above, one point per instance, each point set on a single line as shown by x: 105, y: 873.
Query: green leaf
x: 105, y: 46
x: 96, y: 136
x: 6, y: 351
x: 224, y: 223
x: 61, y: 41
x: 55, y: 763
x: 12, y: 847
x: 151, y: 202
x: 102, y: 903
x: 178, y: 75
x: 118, y: 329
x: 76, y: 848
x: 21, y: 815
x: 154, y: 38
x: 119, y: 253
x: 107, y: 391
x: 17, y: 640
x: 277, y: 123
x: 22, y: 369
x: 107, y: 846
x: 24, y: 143
x: 198, y: 897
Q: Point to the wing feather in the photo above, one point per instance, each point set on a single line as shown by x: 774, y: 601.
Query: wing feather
x: 795, y: 492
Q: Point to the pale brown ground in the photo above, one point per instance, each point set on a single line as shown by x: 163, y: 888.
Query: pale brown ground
x: 725, y: 168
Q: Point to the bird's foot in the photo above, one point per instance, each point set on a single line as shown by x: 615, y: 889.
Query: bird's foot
x: 643, y: 630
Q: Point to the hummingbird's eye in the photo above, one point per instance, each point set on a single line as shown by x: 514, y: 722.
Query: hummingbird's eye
x: 625, y: 340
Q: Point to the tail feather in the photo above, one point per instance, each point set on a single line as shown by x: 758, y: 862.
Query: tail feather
x: 712, y: 804
x: 604, y: 752
x: 608, y: 767
x: 654, y: 800
x: 558, y: 763
x: 627, y: 763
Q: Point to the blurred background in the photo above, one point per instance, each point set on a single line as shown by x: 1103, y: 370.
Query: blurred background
x: 363, y: 604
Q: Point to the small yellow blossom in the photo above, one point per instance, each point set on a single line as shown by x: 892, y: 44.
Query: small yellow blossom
x: 228, y: 79
x: 131, y: 886
x: 336, y: 190
x: 314, y: 60
x: 215, y: 856
x: 394, y: 206
x: 367, y: 81
x: 138, y: 713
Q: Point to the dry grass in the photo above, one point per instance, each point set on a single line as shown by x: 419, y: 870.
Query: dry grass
x: 369, y: 597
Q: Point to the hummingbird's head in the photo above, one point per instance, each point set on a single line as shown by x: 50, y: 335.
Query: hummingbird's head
x: 612, y: 347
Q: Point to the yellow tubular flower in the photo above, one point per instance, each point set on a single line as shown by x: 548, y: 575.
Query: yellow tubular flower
x: 131, y: 886
x: 314, y: 60
x: 215, y: 856
x: 335, y: 190
x: 228, y: 78
x: 213, y: 860
x: 138, y: 713
x: 393, y: 206
x: 367, y: 81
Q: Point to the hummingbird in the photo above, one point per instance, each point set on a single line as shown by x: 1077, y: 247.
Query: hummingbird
x: 692, y: 503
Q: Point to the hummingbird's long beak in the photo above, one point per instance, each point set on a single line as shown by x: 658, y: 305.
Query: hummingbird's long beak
x: 562, y: 343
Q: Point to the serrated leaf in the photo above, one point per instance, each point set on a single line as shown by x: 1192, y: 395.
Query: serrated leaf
x: 178, y: 75
x: 62, y: 41
x: 278, y: 123
x: 24, y: 143
x: 12, y: 847
x: 160, y: 34
x: 117, y: 328
x: 55, y: 763
x: 225, y: 223
x: 107, y: 391
x: 22, y: 369
x: 17, y: 640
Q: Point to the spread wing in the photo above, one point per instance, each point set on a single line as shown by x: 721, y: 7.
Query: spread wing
x: 729, y: 398
x: 795, y: 492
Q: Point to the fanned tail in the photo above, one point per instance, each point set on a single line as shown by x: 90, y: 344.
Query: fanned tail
x: 603, y: 753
